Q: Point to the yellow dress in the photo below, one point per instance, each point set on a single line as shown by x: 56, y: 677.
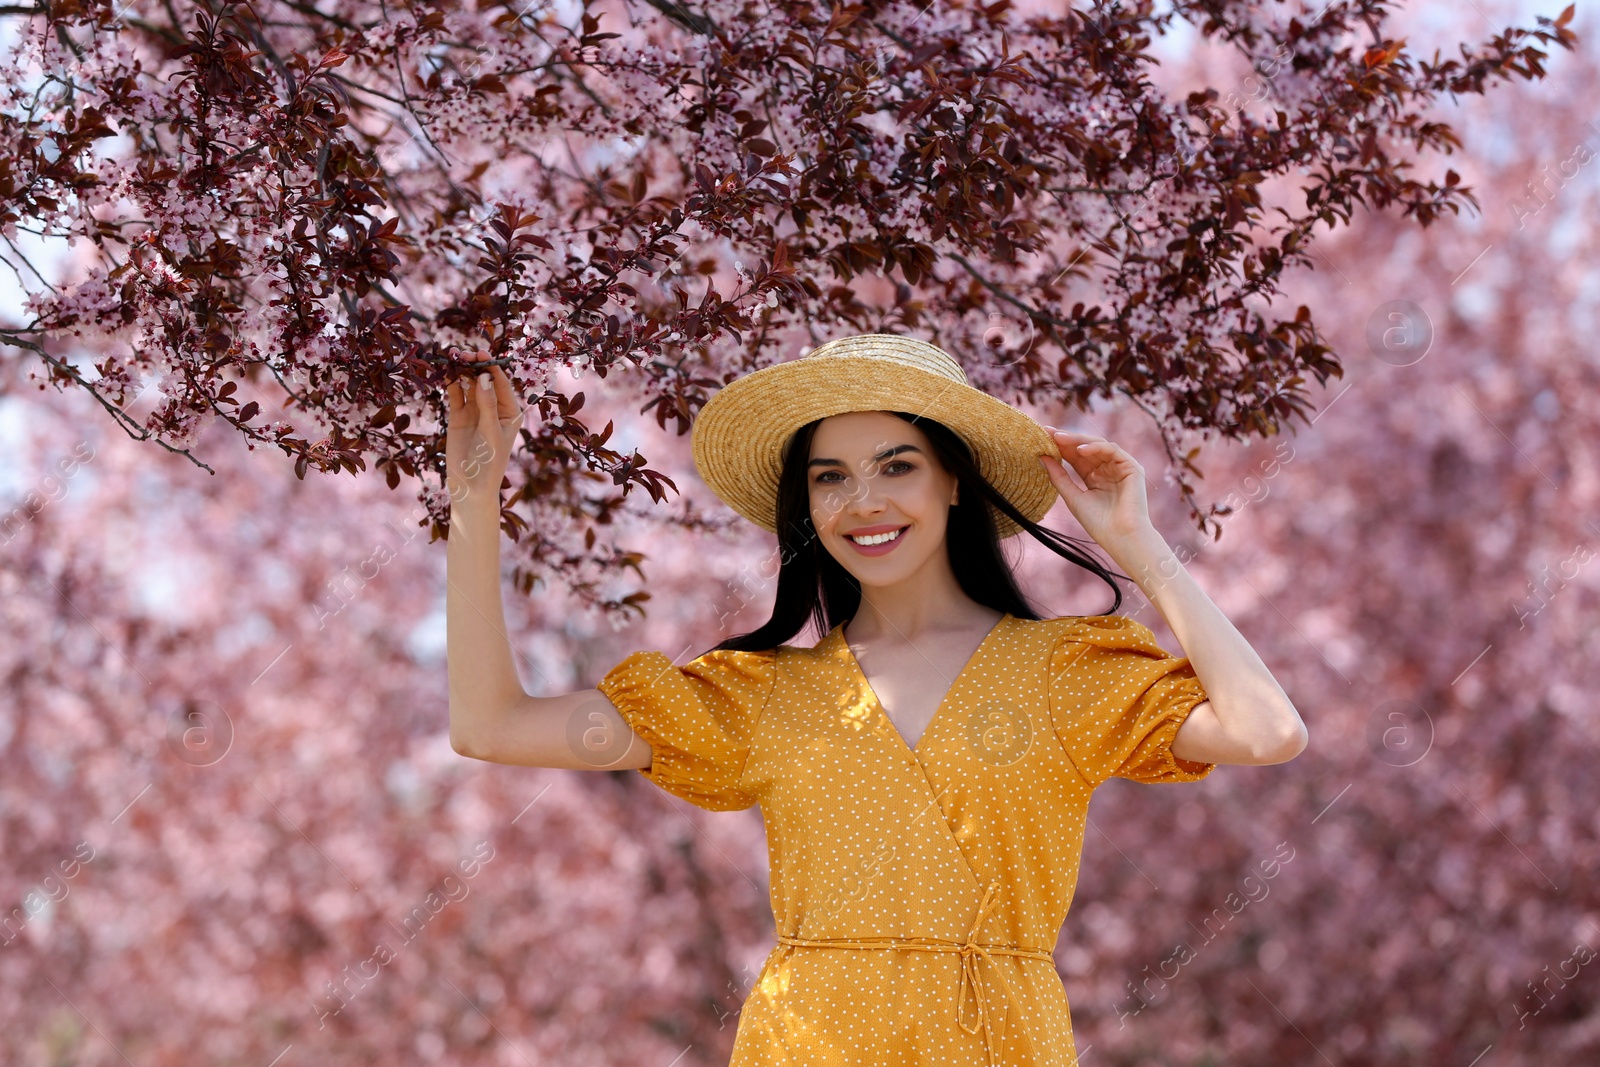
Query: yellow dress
x: 917, y: 893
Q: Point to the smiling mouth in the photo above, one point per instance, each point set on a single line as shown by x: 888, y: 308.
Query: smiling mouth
x: 878, y: 538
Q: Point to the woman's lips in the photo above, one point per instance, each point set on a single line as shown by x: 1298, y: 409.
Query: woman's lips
x: 878, y: 550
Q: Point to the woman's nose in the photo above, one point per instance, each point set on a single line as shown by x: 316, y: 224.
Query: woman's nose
x: 867, y: 498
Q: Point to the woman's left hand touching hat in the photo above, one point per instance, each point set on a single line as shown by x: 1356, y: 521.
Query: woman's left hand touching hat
x: 1111, y: 503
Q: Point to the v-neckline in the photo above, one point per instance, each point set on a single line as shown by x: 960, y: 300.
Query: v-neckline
x: 939, y: 710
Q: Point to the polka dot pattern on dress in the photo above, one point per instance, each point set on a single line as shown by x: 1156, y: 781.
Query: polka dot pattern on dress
x: 918, y: 893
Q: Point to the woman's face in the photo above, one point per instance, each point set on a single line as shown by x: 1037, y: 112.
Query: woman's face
x: 874, y: 477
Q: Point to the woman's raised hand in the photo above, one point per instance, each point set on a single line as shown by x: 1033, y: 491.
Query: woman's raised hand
x: 482, y: 429
x: 1111, y: 504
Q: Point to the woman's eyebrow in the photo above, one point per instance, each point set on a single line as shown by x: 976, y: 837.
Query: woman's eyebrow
x: 880, y: 457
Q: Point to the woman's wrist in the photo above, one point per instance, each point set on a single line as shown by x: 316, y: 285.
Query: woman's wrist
x: 1145, y: 556
x: 473, y: 506
x: 481, y: 492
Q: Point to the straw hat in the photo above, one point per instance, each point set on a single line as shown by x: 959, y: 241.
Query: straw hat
x: 739, y: 438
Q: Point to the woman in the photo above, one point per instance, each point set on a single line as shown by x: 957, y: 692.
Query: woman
x: 924, y: 770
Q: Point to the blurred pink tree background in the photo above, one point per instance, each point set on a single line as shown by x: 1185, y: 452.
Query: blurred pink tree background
x: 234, y: 830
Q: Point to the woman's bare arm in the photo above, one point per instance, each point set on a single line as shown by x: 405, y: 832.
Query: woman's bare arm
x: 491, y: 716
x: 1247, y: 717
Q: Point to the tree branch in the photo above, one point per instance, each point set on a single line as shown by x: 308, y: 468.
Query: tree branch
x: 689, y: 20
x: 129, y: 426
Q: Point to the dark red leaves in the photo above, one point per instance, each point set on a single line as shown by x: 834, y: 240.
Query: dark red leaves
x: 338, y: 214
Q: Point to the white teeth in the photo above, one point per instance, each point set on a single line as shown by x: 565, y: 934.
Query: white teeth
x: 876, y: 539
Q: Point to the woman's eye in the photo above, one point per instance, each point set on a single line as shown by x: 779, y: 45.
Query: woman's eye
x: 821, y: 479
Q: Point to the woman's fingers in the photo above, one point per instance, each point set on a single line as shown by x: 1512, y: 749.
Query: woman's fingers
x: 485, y: 397
x: 1059, y: 477
x: 1095, y: 459
x: 507, y: 408
x: 1080, y: 451
x: 488, y: 415
x: 461, y: 385
x: 499, y: 396
x: 1104, y: 463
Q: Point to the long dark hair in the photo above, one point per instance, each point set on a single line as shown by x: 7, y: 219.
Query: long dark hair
x: 815, y: 587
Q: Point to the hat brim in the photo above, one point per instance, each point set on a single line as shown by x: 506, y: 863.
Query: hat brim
x: 739, y: 437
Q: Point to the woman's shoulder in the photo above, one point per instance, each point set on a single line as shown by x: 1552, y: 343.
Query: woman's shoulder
x: 1107, y: 631
x: 823, y: 649
x: 766, y: 657
x: 736, y: 659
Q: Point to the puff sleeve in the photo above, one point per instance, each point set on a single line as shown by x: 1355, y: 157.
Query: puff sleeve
x: 699, y: 719
x: 1117, y: 700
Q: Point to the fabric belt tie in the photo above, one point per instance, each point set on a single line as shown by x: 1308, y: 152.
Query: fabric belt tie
x: 971, y: 951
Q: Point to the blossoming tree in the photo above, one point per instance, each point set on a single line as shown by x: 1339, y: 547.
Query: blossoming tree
x: 294, y: 217
x: 232, y: 828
